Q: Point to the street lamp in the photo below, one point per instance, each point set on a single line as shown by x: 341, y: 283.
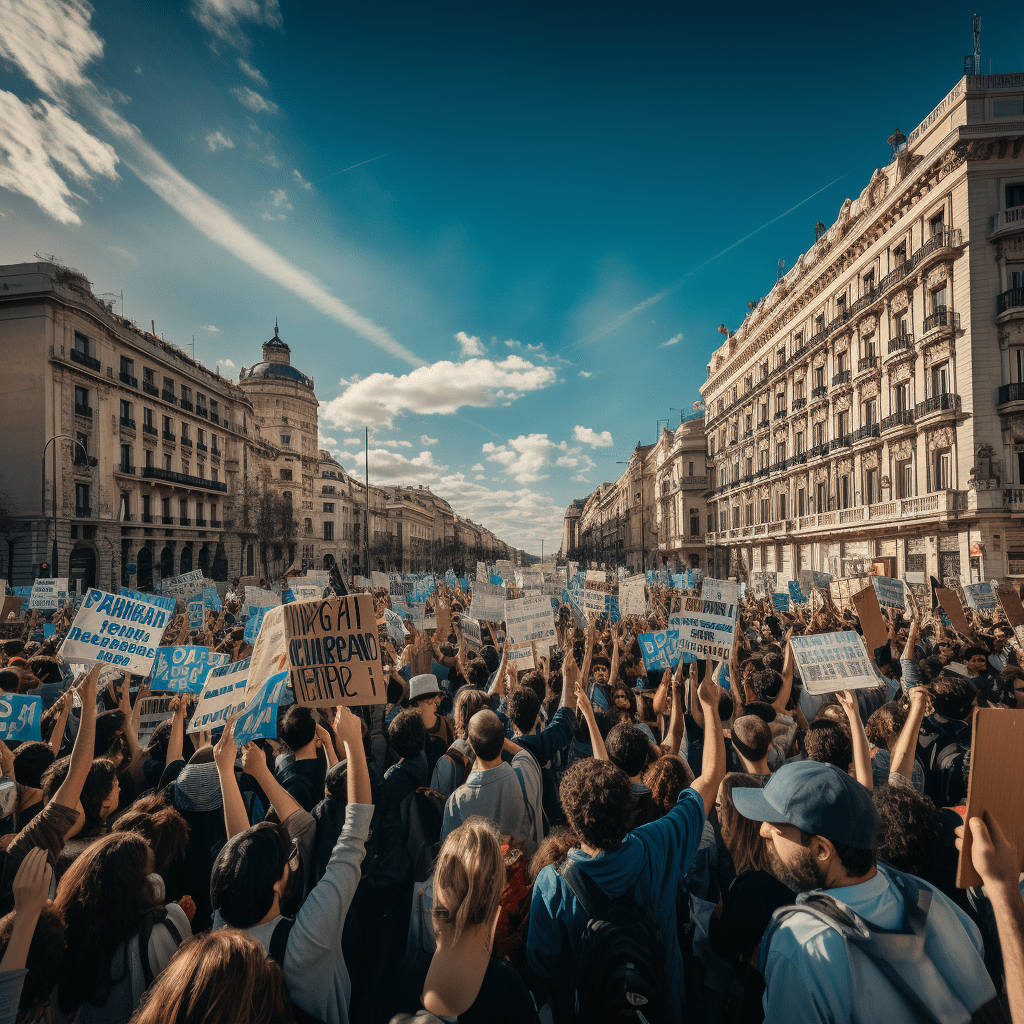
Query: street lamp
x: 42, y: 502
x: 643, y: 540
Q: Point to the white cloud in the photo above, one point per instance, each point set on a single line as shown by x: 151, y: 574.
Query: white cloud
x: 278, y: 205
x: 587, y: 435
x: 440, y: 388
x: 478, y: 468
x: 252, y: 100
x: 580, y: 479
x: 326, y: 442
x: 213, y: 330
x: 671, y: 341
x: 228, y: 363
x: 394, y: 443
x: 585, y: 373
x: 424, y: 439
x: 218, y: 140
x: 352, y: 440
x: 36, y: 137
x: 480, y: 476
x: 387, y: 467
x: 224, y: 18
x: 301, y: 181
x: 524, y: 457
x: 512, y: 343
x: 254, y: 73
x: 52, y: 43
x: 470, y: 345
x: 124, y: 253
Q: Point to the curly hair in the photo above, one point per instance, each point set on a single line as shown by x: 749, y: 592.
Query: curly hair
x: 629, y: 714
x: 885, y: 724
x: 829, y: 742
x: 553, y: 849
x: 523, y: 708
x: 628, y: 747
x: 468, y: 879
x: 666, y: 779
x: 468, y: 702
x: 407, y: 733
x: 954, y: 697
x: 912, y: 829
x: 597, y: 798
x: 163, y: 827
x: 766, y: 685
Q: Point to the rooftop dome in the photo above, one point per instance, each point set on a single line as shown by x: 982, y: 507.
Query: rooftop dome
x: 276, y: 364
x: 276, y: 341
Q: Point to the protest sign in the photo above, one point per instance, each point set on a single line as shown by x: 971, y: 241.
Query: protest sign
x: 189, y: 584
x: 317, y: 578
x: 796, y: 595
x: 529, y: 620
x: 21, y: 591
x: 259, y: 719
x: 632, y: 599
x: 253, y: 623
x: 890, y: 592
x: 222, y: 696
x: 722, y: 591
x: 305, y: 591
x: 333, y: 653
x: 256, y: 597
x: 395, y: 627
x: 184, y: 669
x: 520, y: 657
x: 997, y: 756
x: 116, y: 630
x: 980, y: 596
x: 48, y: 594
x: 152, y: 712
x: 954, y: 609
x: 482, y: 575
x: 20, y: 717
x: 780, y: 601
x: 503, y: 567
x: 763, y: 583
x: 161, y: 602
x: 661, y: 650
x: 471, y: 631
x: 362, y: 581
x: 212, y: 599
x: 599, y: 603
x: 833, y: 661
x: 487, y: 601
x: 380, y: 580
x: 11, y: 606
x: 1012, y: 607
x: 707, y: 628
x: 876, y: 633
x: 268, y: 652
x: 196, y: 612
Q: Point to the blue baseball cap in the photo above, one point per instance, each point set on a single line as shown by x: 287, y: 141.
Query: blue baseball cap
x: 818, y: 798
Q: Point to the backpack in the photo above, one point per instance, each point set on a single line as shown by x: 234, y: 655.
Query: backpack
x: 509, y: 942
x: 146, y: 932
x: 421, y: 814
x: 461, y: 762
x: 276, y: 950
x: 620, y: 967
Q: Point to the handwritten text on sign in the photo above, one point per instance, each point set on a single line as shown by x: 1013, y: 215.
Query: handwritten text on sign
x: 333, y: 652
x: 222, y: 696
x: 116, y: 630
x: 184, y: 669
x: 20, y: 717
x: 833, y: 661
x: 706, y: 628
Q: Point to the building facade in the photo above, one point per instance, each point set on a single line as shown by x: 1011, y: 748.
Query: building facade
x: 870, y: 409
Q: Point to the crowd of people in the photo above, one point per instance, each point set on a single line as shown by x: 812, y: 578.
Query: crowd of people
x: 586, y: 840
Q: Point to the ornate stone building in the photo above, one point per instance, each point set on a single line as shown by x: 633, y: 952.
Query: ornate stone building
x: 870, y: 408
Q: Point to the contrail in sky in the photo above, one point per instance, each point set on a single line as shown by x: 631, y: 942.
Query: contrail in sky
x: 362, y: 163
x: 651, y: 300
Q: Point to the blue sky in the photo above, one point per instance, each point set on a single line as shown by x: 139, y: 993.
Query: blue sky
x: 459, y: 213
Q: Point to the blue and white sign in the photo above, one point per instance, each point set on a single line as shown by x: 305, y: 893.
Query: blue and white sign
x: 661, y: 650
x: 780, y: 601
x: 196, y: 612
x: 184, y: 669
x: 212, y: 599
x: 259, y: 719
x: 117, y: 630
x: 222, y: 696
x: 889, y: 592
x: 131, y: 568
x: 706, y: 628
x: 796, y: 595
x: 48, y: 594
x: 253, y: 623
x: 161, y: 602
x: 833, y: 661
x: 20, y: 716
x: 981, y: 596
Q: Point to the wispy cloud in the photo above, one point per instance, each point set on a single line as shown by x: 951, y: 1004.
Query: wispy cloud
x: 224, y: 18
x: 254, y: 73
x: 352, y: 440
x: 213, y: 329
x: 428, y: 441
x: 218, y: 140
x: 470, y: 345
x: 478, y: 468
x: 586, y: 435
x: 301, y: 181
x: 278, y: 205
x: 586, y: 373
x: 671, y: 341
x: 252, y: 100
x: 363, y: 163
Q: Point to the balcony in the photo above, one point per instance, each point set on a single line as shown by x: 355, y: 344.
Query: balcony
x: 1013, y: 299
x: 819, y: 392
x: 127, y: 378
x: 149, y: 388
x: 200, y: 447
x: 780, y: 414
x: 154, y: 473
x: 693, y: 481
x: 942, y: 317
x: 799, y: 403
x: 868, y: 430
x: 200, y: 522
x: 818, y: 451
x: 201, y: 411
x: 168, y: 396
x: 216, y: 524
x: 85, y: 360
x: 215, y: 452
x: 1011, y: 393
x: 938, y: 503
x: 946, y: 402
x: 840, y: 442
x: 184, y: 520
x: 901, y: 343
x: 867, y: 363
x: 902, y: 418
x: 186, y: 406
x: 842, y: 377
x: 147, y: 517
x: 761, y: 424
x: 214, y: 417
x: 127, y: 421
x: 83, y: 410
x: 83, y: 512
x: 1007, y: 220
x: 126, y: 468
x: 166, y: 520
x: 169, y: 436
x: 186, y: 442
x: 148, y: 428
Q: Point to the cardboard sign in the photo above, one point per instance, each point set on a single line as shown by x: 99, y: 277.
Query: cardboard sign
x: 395, y: 627
x: 20, y: 717
x: 471, y: 631
x: 764, y: 583
x: 333, y: 653
x: 833, y: 661
x: 487, y: 601
x: 196, y: 612
x: 11, y: 606
x: 796, y: 595
x: 161, y: 602
x: 954, y: 609
x: 707, y: 628
x: 152, y: 713
x: 268, y: 653
x: 520, y: 657
x: 306, y: 591
x: 997, y: 756
x: 529, y: 620
x: 259, y: 719
x: 876, y: 633
x: 723, y: 591
x: 632, y: 598
x: 780, y: 602
x: 184, y: 669
x: 980, y: 596
x: 48, y: 594
x: 222, y: 696
x: 189, y: 584
x: 890, y: 592
x: 661, y: 650
x: 253, y: 623
x: 116, y: 630
x: 1012, y: 607
x: 597, y: 602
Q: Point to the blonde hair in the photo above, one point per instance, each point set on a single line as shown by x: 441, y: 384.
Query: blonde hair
x: 468, y: 879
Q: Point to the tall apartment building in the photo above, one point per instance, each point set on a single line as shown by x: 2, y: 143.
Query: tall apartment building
x: 870, y: 409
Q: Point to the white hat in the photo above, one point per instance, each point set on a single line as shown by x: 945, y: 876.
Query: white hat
x: 422, y: 685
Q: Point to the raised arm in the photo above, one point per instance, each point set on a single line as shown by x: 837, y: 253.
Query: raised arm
x: 85, y: 745
x: 254, y: 764
x: 713, y: 764
x: 584, y: 705
x: 677, y: 718
x: 901, y: 760
x: 176, y: 741
x: 31, y: 889
x: 350, y: 731
x: 782, y: 699
x: 57, y: 735
x: 861, y: 750
x: 236, y: 818
x: 569, y: 677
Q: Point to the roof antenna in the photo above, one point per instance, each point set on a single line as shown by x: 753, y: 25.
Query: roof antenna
x: 972, y: 63
x: 275, y: 326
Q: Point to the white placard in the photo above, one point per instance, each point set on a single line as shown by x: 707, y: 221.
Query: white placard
x: 48, y: 594
x: 631, y: 596
x: 706, y: 628
x: 530, y: 620
x: 487, y: 602
x: 256, y: 597
x: 722, y: 591
x: 186, y: 585
x: 223, y: 694
x: 833, y: 661
x: 116, y: 630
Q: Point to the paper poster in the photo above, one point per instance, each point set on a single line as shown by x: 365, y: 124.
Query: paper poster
x: 395, y: 627
x: 596, y: 602
x: 764, y: 583
x: 189, y: 584
x: 317, y: 578
x: 521, y: 657
x: 268, y: 653
x: 471, y: 631
x: 253, y: 623
x: 306, y: 591
x: 487, y: 602
x: 632, y: 598
x: 722, y: 591
x: 161, y: 602
x: 255, y: 597
x: 890, y: 592
x: 20, y: 717
x: 482, y: 575
x: 833, y: 661
x: 116, y: 630
x: 212, y: 599
x: 661, y: 650
x: 333, y: 653
x: 707, y: 628
x: 980, y: 596
x: 153, y: 711
x: 380, y: 580
x: 796, y: 595
x: 222, y: 696
x: 259, y: 719
x: 196, y: 612
x: 780, y: 601
x: 48, y: 594
x: 529, y: 620
x: 184, y: 669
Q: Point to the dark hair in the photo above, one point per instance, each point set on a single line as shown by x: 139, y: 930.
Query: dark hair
x: 973, y: 652
x: 523, y: 708
x: 298, y: 727
x: 104, y: 897
x: 407, y: 734
x: 337, y: 782
x: 158, y: 742
x: 98, y: 786
x: 46, y: 669
x: 829, y: 742
x: 107, y: 726
x: 597, y: 798
x: 54, y: 776
x: 912, y: 830
x: 553, y: 849
x: 856, y: 861
x: 164, y: 828
x: 954, y: 697
x: 10, y: 680
x: 628, y: 747
x: 44, y: 956
x: 666, y: 779
x: 752, y: 737
x: 621, y: 687
x: 766, y: 685
x: 534, y: 681
x: 244, y: 873
x: 30, y: 762
x: 486, y: 735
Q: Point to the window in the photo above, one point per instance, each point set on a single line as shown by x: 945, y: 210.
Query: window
x: 868, y: 282
x: 694, y: 523
x: 167, y: 463
x: 1017, y: 365
x: 723, y: 518
x: 748, y: 512
x: 127, y: 367
x: 202, y: 470
x: 940, y: 379
x: 166, y: 509
x: 780, y: 451
x: 149, y: 458
x: 943, y: 470
x: 147, y: 375
x: 899, y: 254
x: 936, y: 224
x: 82, y: 508
x: 186, y: 466
x: 905, y: 479
x: 819, y: 434
x: 169, y: 386
x: 286, y: 474
x: 81, y: 399
x: 842, y: 424
x: 286, y: 440
x: 869, y: 346
x: 183, y: 509
x: 801, y: 502
x: 81, y: 344
x: 200, y: 402
x: 798, y: 388
x: 819, y: 376
x: 765, y: 514
x: 147, y: 515
x: 711, y: 522
x: 899, y: 327
x: 749, y: 422
x: 821, y: 498
x: 1008, y: 106
x: 840, y: 305
x: 168, y: 429
x: 842, y: 362
x: 126, y: 413
x: 81, y: 449
x: 214, y: 475
x: 199, y: 512
x: 736, y: 517
x: 126, y: 459
x: 1016, y: 279
x: 939, y: 300
x: 780, y: 402
x: 782, y: 506
x: 800, y: 442
x: 764, y: 412
x: 186, y: 397
x: 750, y: 465
x: 184, y: 431
x: 200, y: 436
x: 691, y: 469
x: 844, y: 492
x: 329, y: 506
x: 901, y: 397
x: 147, y: 417
x: 328, y: 530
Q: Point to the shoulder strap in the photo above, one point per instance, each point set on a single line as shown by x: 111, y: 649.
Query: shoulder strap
x: 583, y: 888
x: 460, y: 761
x: 158, y: 915
x: 526, y: 799
x: 279, y: 940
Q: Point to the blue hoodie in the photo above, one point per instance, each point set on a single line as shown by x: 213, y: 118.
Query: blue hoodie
x: 655, y: 856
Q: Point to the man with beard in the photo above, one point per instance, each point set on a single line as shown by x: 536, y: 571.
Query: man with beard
x: 907, y: 946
